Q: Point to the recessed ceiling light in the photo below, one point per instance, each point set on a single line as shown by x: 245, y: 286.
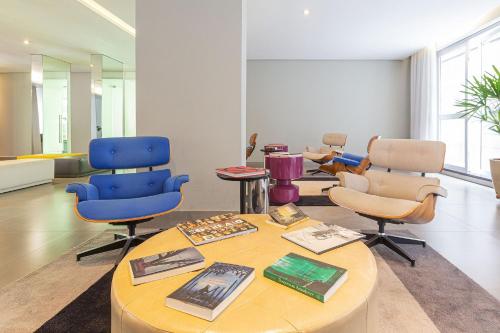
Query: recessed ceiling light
x: 106, y: 14
x: 91, y: 65
x: 306, y: 12
x: 26, y: 42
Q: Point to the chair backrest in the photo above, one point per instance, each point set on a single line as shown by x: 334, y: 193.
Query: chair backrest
x: 252, y: 143
x: 335, y: 139
x: 408, y: 154
x: 129, y: 153
x: 253, y: 139
x: 370, y: 142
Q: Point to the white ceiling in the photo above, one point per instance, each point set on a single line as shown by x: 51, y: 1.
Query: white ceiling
x: 357, y: 29
x: 64, y: 29
x: 277, y: 29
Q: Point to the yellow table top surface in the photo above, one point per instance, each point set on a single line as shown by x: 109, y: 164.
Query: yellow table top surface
x: 265, y: 305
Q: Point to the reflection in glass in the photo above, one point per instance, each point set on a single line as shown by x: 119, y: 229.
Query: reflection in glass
x: 108, y: 119
x: 50, y: 94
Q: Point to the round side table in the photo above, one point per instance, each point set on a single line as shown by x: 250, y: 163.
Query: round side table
x: 285, y: 168
x: 254, y: 193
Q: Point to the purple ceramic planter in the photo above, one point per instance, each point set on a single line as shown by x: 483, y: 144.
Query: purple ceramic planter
x: 284, y: 168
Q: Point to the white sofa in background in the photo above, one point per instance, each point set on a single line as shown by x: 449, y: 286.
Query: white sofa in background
x: 17, y: 174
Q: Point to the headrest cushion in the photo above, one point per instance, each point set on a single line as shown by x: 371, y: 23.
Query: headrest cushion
x: 335, y: 139
x: 129, y: 153
x: 408, y: 154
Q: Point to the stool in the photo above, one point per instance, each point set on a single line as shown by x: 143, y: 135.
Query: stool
x: 284, y: 168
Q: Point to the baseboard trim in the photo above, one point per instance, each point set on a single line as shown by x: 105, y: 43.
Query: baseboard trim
x: 469, y: 178
x: 20, y: 187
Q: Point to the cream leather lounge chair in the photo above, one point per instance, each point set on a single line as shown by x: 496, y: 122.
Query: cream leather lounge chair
x: 334, y: 142
x: 389, y: 197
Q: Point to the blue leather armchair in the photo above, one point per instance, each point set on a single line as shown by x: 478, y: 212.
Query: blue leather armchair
x: 128, y: 198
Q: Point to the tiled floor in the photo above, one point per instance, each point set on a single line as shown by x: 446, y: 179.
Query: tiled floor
x: 37, y: 225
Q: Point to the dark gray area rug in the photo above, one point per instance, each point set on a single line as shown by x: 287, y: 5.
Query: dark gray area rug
x: 88, y: 313
x: 314, y: 200
x: 450, y: 298
x: 453, y: 301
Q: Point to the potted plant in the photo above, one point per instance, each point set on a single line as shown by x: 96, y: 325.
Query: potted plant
x: 482, y: 101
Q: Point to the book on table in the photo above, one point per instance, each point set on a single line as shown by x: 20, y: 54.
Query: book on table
x: 286, y: 216
x: 211, y: 291
x: 215, y: 228
x: 240, y: 171
x: 311, y: 277
x: 162, y: 265
x: 322, y: 237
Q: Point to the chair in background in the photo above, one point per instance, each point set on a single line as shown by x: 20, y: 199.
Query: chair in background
x: 349, y: 163
x: 334, y: 142
x: 251, y: 144
x: 389, y: 197
x: 128, y: 198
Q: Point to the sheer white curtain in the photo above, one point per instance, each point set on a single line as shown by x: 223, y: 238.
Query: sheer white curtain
x: 423, y: 95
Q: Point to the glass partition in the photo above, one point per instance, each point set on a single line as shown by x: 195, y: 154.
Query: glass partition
x: 108, y: 116
x: 50, y: 93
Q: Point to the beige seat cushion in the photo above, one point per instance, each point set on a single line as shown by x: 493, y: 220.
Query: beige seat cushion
x: 399, y: 186
x: 373, y: 205
x: 313, y: 156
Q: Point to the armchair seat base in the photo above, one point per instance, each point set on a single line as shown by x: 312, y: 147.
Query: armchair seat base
x: 106, y: 211
x: 373, y: 205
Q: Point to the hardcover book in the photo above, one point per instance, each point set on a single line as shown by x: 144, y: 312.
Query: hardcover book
x: 308, y: 276
x: 211, y: 291
x: 286, y: 216
x: 215, y: 228
x: 162, y: 265
x: 240, y: 171
x: 322, y: 237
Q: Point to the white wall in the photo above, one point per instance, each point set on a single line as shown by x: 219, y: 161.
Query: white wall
x: 296, y: 102
x: 80, y: 112
x: 15, y: 114
x: 190, y: 65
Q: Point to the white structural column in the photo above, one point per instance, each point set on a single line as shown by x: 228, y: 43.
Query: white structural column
x: 190, y: 74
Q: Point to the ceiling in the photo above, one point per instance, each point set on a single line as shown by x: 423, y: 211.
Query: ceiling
x: 64, y: 29
x: 277, y: 29
x: 357, y: 29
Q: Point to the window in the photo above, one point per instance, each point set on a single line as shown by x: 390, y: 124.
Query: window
x: 469, y: 143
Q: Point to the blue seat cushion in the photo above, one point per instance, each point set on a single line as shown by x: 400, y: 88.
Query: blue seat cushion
x: 127, y: 209
x: 352, y: 157
x: 346, y: 161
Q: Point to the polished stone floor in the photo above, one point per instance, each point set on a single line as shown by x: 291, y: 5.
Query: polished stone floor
x: 37, y: 225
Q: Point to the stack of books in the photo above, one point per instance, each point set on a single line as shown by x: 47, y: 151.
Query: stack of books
x: 215, y: 228
x: 240, y: 172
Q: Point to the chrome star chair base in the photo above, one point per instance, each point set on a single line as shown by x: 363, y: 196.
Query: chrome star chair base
x: 390, y: 241
x: 128, y: 198
x: 123, y: 241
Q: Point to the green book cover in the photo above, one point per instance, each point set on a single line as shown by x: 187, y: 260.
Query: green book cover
x: 308, y: 276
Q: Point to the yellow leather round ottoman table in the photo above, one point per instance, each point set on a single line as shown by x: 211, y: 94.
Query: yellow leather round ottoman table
x: 265, y: 306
